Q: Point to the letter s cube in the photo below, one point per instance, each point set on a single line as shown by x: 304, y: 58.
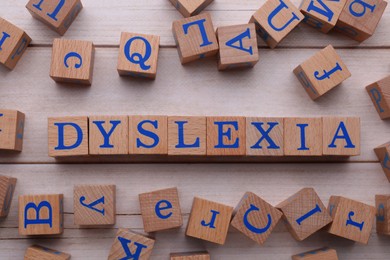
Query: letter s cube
x: 7, y: 188
x: 379, y: 93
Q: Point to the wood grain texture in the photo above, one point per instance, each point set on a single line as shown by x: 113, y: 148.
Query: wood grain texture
x: 190, y: 256
x: 7, y: 188
x: 190, y: 7
x: 382, y: 204
x: 11, y: 130
x: 43, y: 253
x: 379, y: 93
x: 383, y: 154
x: 317, y: 254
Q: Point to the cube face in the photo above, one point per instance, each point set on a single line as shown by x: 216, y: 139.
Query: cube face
x: 383, y: 154
x: 322, y: 72
x: 190, y: 256
x: 255, y: 218
x: 161, y: 210
x: 305, y: 213
x: 39, y: 253
x: 382, y: 204
x: 108, y: 135
x: 58, y: 15
x: 190, y: 7
x: 138, y: 55
x: 379, y: 93
x: 341, y: 136
x: 7, y: 188
x: 72, y: 61
x: 351, y: 219
x: 68, y: 136
x: 11, y: 130
x: 128, y: 244
x: 209, y: 221
x: 237, y: 46
x: 41, y: 214
x: 94, y: 205
x: 318, y: 254
x: 195, y: 38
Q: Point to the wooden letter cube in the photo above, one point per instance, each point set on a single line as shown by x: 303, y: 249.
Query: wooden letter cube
x: 138, y: 55
x: 7, y: 188
x: 383, y: 154
x: 382, y: 203
x: 341, y: 136
x: 359, y: 18
x: 72, y: 61
x: 41, y: 214
x: 380, y: 96
x: 11, y: 130
x: 237, y: 46
x: 195, y: 38
x: 322, y: 72
x: 94, y: 205
x: 275, y: 20
x: 351, y: 219
x: 160, y: 210
x: 303, y: 136
x: 318, y: 254
x: 129, y: 245
x: 255, y: 218
x: 68, y: 136
x: 13, y: 43
x: 190, y: 7
x: 43, y: 253
x: 190, y: 256
x: 108, y: 135
x: 305, y: 213
x: 58, y: 15
x: 209, y: 221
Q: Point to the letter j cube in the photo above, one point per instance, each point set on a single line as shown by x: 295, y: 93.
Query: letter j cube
x: 379, y: 93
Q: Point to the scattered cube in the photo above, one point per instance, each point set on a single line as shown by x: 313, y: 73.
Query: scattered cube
x: 11, y: 130
x: 351, y: 219
x: 255, y: 218
x: 209, y: 221
x: 383, y: 154
x: 190, y: 256
x: 382, y: 203
x: 304, y: 213
x: 58, y: 15
x: 318, y: 254
x: 237, y: 46
x: 380, y: 95
x: 190, y: 7
x: 322, y: 72
x: 42, y: 253
x: 195, y: 38
x: 94, y: 205
x: 72, y: 61
x: 41, y: 214
x: 7, y: 188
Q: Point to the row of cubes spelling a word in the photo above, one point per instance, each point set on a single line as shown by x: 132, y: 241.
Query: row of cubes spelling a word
x: 203, y: 136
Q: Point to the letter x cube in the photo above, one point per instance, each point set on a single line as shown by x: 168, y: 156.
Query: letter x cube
x: 380, y: 95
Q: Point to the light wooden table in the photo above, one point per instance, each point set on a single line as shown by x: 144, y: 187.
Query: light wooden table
x: 270, y: 89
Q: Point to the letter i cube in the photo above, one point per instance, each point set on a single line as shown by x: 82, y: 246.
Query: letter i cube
x: 382, y: 203
x: 383, y: 154
x: 322, y: 72
x: 380, y: 95
x: 190, y: 256
x: 11, y: 130
x: 43, y: 253
x: 41, y: 214
x: 190, y: 7
x: 7, y: 188
x: 318, y: 254
x: 351, y: 219
x: 304, y: 213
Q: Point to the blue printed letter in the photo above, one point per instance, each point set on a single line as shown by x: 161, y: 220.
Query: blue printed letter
x: 158, y: 208
x: 53, y: 15
x: 76, y: 55
x: 326, y: 11
x: 238, y: 38
x: 147, y: 133
x: 364, y: 5
x: 253, y: 228
x: 275, y: 12
x: 228, y: 134
x: 2, y: 40
x: 181, y: 144
x: 353, y: 223
x: 124, y: 242
x: 309, y: 214
x: 61, y: 136
x: 303, y: 137
x: 106, y: 135
x: 344, y: 136
x: 376, y: 95
x: 265, y: 135
x: 136, y: 57
x: 38, y: 220
x: 327, y: 73
x: 93, y: 204
x: 202, y: 29
x: 212, y: 221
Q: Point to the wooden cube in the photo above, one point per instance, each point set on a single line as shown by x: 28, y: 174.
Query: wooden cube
x: 129, y: 245
x: 264, y: 136
x: 186, y: 135
x: 303, y: 136
x: 190, y: 256
x: 57, y: 15
x: 11, y: 130
x: 275, y: 20
x: 94, y: 205
x: 237, y: 46
x: 13, y: 43
x: 304, y: 213
x: 318, y: 254
x: 108, y: 135
x: 351, y: 219
x: 383, y: 154
x: 341, y: 136
x: 382, y: 203
x: 148, y: 135
x: 41, y: 214
x: 195, y: 38
x: 190, y: 7
x: 42, y: 253
x: 226, y: 136
x: 7, y: 188
x: 359, y: 19
x: 379, y: 93
x: 68, y: 136
x: 160, y: 210
x: 138, y: 55
x: 255, y: 218
x: 209, y: 221
x: 72, y: 61
x: 322, y: 72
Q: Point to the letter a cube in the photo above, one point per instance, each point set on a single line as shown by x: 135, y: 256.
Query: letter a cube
x: 57, y: 14
x: 322, y: 72
x: 255, y: 218
x: 382, y: 203
x: 190, y: 7
x: 383, y: 154
x: 7, y: 188
x: 209, y: 221
x: 190, y: 256
x: 94, y: 205
x: 41, y: 214
x: 129, y: 245
x: 11, y: 130
x: 13, y: 43
x: 351, y: 219
x: 380, y: 95
x: 43, y: 253
x: 318, y: 254
x: 304, y: 213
